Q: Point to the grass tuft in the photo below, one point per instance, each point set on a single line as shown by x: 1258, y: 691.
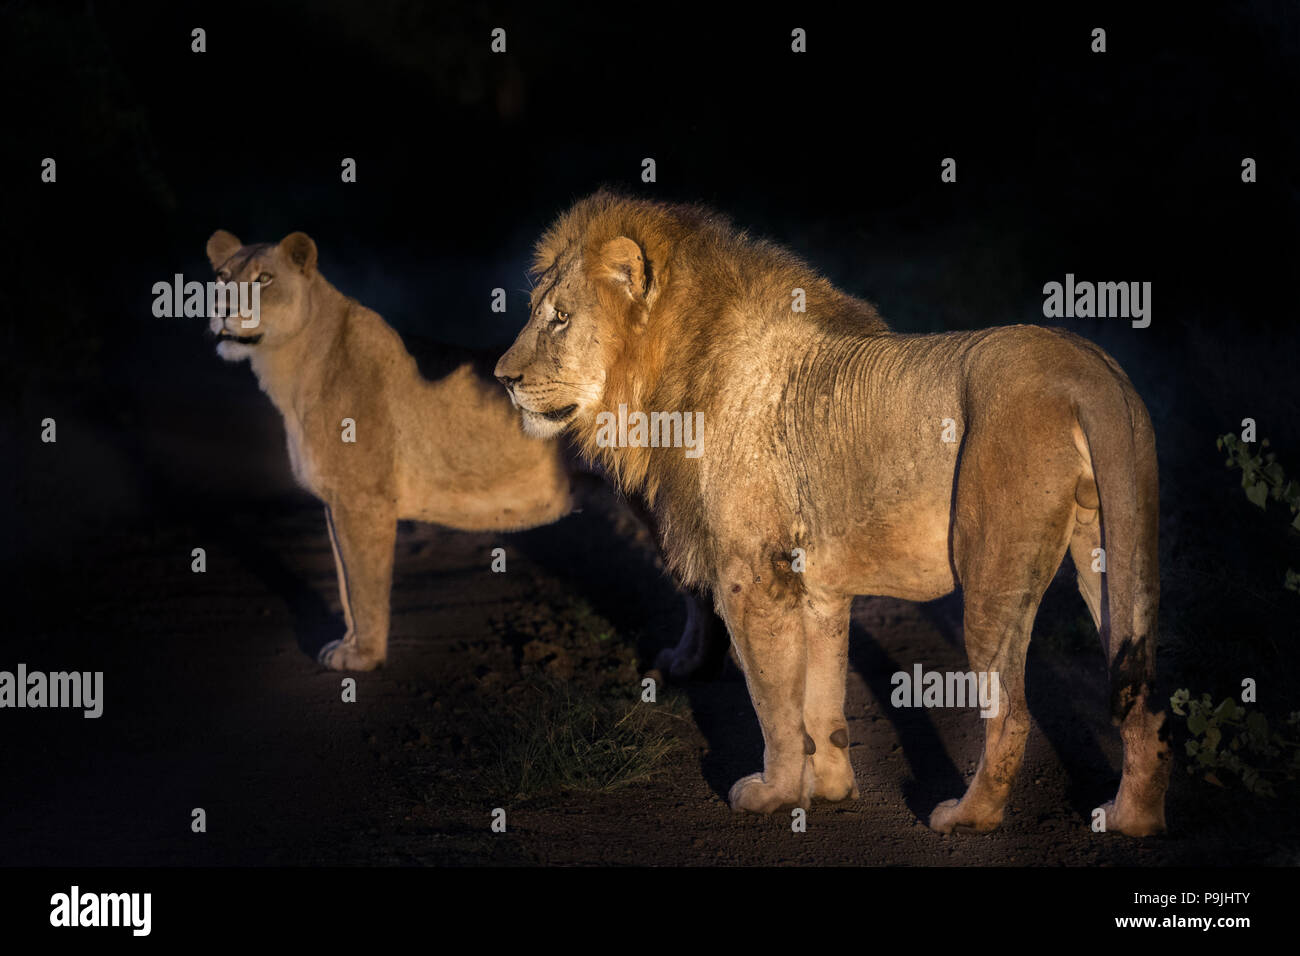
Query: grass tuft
x: 551, y: 736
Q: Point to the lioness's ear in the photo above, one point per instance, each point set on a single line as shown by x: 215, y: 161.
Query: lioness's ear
x: 300, y: 250
x: 624, y: 262
x: 221, y: 246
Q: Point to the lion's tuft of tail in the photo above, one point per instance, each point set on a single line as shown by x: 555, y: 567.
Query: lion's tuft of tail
x: 1122, y: 445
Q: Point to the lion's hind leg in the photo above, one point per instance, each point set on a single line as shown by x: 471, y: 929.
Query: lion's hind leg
x: 1015, y: 512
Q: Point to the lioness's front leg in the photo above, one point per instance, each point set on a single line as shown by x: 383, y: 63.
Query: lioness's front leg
x: 768, y: 638
x: 363, y: 536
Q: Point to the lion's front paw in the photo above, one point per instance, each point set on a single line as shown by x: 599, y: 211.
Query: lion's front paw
x: 665, y: 659
x: 342, y: 655
x: 699, y: 655
x: 955, y: 815
x: 754, y: 794
x: 1120, y: 820
x: 677, y: 666
x: 833, y: 776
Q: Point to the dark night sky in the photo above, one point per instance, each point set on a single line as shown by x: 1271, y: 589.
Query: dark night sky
x: 1118, y: 166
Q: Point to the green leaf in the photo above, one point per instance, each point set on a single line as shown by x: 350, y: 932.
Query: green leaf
x: 1257, y: 493
x: 1196, y: 722
x: 1227, y: 710
x: 1212, y: 737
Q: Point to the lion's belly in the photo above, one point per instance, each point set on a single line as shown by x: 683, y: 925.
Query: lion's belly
x: 903, y: 553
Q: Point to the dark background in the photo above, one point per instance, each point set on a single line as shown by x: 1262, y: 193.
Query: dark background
x: 1119, y: 166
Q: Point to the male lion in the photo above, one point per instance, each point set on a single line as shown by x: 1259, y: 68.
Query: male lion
x: 824, y: 431
x: 448, y: 451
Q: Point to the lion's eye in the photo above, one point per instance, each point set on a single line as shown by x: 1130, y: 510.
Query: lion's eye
x: 264, y: 278
x: 562, y: 316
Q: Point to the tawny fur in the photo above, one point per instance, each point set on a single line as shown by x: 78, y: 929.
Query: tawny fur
x: 823, y: 431
x: 448, y: 451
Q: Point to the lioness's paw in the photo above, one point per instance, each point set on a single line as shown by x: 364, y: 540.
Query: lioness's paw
x: 752, y: 793
x: 1123, y: 820
x: 341, y: 656
x: 954, y: 815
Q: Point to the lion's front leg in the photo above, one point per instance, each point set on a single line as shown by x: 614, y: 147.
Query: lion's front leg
x: 363, y: 536
x: 769, y: 643
x: 826, y: 632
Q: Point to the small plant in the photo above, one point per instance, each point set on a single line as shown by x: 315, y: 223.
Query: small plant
x: 1263, y: 478
x: 566, y: 639
x: 553, y: 736
x: 1228, y: 738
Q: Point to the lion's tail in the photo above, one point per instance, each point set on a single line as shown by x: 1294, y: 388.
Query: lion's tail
x: 1121, y: 442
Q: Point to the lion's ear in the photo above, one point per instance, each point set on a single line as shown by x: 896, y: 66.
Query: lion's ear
x: 300, y: 250
x: 624, y: 262
x: 221, y: 246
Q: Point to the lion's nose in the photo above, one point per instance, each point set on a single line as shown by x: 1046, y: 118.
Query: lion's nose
x: 506, y: 366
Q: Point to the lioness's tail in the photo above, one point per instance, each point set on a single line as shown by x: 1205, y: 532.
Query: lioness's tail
x: 1122, y: 446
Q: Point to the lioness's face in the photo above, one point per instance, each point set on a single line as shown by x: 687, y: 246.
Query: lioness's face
x: 555, y: 371
x: 282, y: 272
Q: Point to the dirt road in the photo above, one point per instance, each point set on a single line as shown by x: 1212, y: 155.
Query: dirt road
x: 212, y: 703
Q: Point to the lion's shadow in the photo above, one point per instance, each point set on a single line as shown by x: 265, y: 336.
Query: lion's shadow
x: 933, y: 775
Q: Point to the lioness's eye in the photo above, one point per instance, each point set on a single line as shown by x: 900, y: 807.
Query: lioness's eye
x: 562, y: 316
x: 264, y: 278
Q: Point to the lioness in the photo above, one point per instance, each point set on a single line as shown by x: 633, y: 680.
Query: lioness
x: 823, y: 431
x: 447, y: 451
